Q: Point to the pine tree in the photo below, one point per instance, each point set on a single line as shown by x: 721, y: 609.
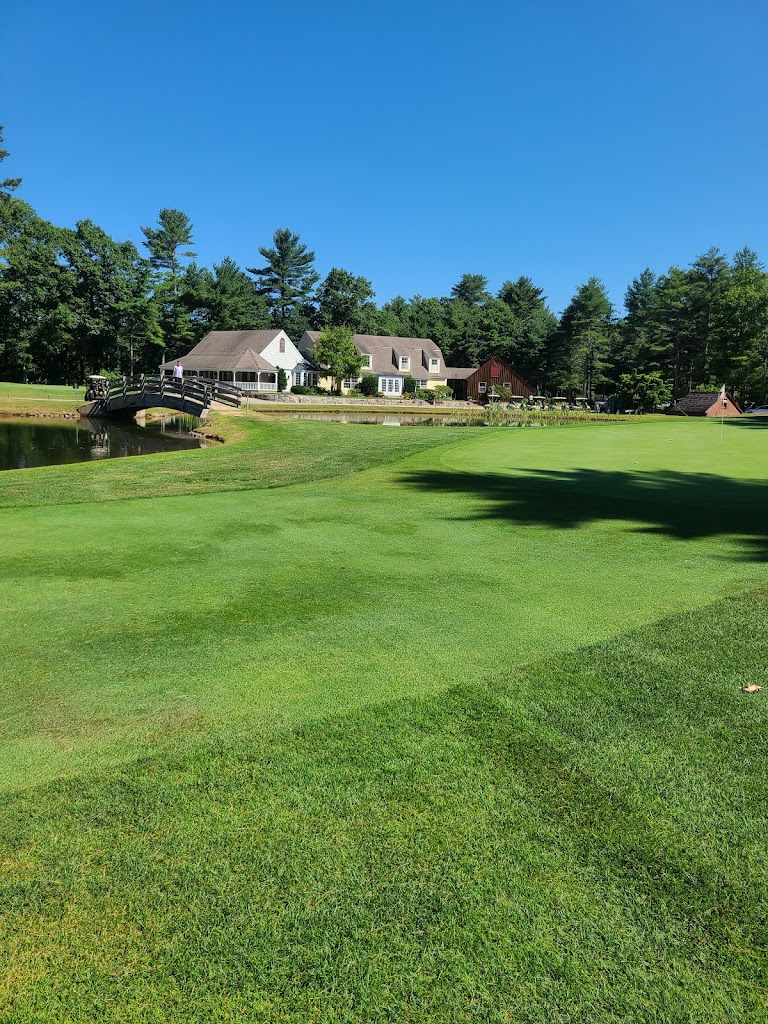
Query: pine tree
x: 584, y: 339
x: 471, y: 288
x: 288, y: 277
x: 641, y: 343
x: 232, y: 301
x: 7, y: 185
x: 164, y: 242
x: 535, y: 326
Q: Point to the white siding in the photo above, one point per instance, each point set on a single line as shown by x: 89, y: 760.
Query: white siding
x: 287, y: 360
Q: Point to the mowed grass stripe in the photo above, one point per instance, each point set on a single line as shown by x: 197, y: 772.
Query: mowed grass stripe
x: 127, y: 622
x: 582, y: 841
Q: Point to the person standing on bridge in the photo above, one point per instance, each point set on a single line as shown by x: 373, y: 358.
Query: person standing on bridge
x: 178, y: 374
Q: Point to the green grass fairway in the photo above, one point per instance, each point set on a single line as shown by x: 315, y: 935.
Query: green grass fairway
x: 582, y: 841
x: 125, y: 622
x: 39, y: 399
x: 54, y: 392
x: 361, y: 724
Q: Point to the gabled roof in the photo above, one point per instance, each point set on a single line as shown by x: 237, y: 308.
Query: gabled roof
x: 696, y: 403
x: 460, y: 372
x: 385, y: 349
x: 229, y: 350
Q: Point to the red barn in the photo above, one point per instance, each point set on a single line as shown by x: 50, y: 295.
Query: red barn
x: 474, y: 382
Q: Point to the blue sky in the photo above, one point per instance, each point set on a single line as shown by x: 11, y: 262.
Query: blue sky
x: 410, y: 142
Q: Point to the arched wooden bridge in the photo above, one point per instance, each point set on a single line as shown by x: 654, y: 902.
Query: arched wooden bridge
x: 192, y: 396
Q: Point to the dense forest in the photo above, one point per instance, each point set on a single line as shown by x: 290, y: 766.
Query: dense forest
x: 75, y: 301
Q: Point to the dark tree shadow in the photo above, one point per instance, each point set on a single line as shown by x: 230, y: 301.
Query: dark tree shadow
x: 747, y: 421
x: 680, y: 505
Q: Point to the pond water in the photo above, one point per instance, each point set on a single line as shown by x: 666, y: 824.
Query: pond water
x: 25, y: 443
x: 382, y: 419
x: 479, y: 419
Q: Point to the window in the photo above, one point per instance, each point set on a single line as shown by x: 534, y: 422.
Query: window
x: 421, y: 383
x: 405, y: 363
x: 351, y: 383
x: 282, y: 344
x: 482, y: 387
x: 508, y: 384
x: 390, y: 385
x: 434, y: 365
x: 366, y: 361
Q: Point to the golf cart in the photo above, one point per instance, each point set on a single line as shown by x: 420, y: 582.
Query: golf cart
x: 96, y: 387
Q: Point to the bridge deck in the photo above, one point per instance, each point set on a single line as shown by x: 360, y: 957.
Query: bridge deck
x: 192, y: 396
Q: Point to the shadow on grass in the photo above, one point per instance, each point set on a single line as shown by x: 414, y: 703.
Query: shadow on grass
x: 684, y: 506
x: 758, y: 420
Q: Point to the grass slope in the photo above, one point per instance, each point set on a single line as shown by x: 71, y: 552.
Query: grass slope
x: 125, y: 623
x: 259, y: 453
x: 582, y: 840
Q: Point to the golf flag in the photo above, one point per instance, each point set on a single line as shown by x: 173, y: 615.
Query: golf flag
x: 722, y: 395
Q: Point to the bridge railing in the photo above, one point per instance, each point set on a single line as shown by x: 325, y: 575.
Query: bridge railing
x: 194, y: 390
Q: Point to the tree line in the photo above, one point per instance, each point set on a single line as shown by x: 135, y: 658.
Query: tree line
x: 75, y: 301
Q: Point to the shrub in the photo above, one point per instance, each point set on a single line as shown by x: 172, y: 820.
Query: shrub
x: 282, y: 379
x: 302, y: 389
x: 442, y: 393
x: 425, y: 395
x: 369, y: 385
x: 409, y: 385
x: 503, y: 394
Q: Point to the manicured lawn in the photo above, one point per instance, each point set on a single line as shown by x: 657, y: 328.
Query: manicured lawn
x: 582, y: 840
x: 55, y: 392
x: 334, y: 750
x: 39, y: 399
x: 126, y: 622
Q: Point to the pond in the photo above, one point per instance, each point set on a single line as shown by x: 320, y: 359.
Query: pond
x: 482, y: 418
x: 390, y: 420
x: 25, y: 443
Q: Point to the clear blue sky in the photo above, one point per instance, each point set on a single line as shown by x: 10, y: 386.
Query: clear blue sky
x: 410, y: 141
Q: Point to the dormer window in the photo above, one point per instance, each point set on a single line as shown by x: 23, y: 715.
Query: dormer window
x: 366, y: 361
x: 405, y: 363
x: 434, y: 365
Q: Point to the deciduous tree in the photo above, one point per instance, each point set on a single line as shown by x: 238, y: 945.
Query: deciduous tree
x: 342, y: 299
x: 335, y: 353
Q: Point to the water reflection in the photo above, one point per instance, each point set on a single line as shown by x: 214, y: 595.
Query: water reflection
x: 25, y: 444
x: 392, y: 421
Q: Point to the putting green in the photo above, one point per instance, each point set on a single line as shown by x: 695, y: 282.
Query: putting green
x: 125, y: 623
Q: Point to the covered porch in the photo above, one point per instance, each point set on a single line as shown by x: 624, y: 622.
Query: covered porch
x: 246, y: 380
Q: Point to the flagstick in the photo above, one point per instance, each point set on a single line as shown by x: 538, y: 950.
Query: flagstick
x: 722, y: 410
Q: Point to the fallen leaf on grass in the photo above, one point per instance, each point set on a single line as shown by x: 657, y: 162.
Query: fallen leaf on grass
x: 751, y: 688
